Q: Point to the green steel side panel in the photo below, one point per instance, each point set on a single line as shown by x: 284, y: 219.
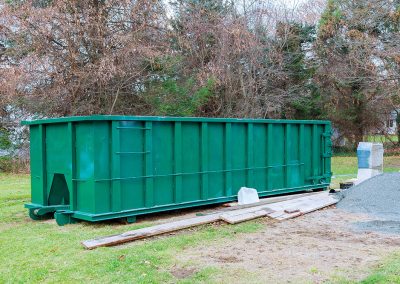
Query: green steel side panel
x: 170, y: 119
x: 307, y: 154
x: 84, y: 147
x: 327, y: 152
x: 190, y: 163
x: 102, y: 161
x: 178, y: 162
x: 149, y: 168
x: 118, y: 166
x: 215, y: 159
x: 190, y: 156
x: 293, y: 174
x: 250, y: 155
x: 228, y: 159
x: 58, y: 159
x: 38, y: 164
x: 116, y: 177
x: 277, y: 159
x: 204, y: 161
x: 71, y: 177
x: 260, y: 156
x: 132, y: 155
x: 238, y: 152
x: 301, y: 155
x: 163, y: 147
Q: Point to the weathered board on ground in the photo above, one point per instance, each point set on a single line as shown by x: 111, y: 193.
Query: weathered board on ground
x: 234, y: 219
x: 150, y: 231
x: 298, y: 206
x: 268, y: 200
x: 301, y: 206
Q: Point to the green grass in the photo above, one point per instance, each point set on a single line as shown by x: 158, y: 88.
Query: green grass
x: 345, y: 168
x: 348, y: 165
x: 381, y: 138
x: 387, y: 272
x: 41, y: 251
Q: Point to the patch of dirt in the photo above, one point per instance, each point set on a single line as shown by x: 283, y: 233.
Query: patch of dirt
x: 312, y: 248
x: 181, y: 273
x: 227, y: 259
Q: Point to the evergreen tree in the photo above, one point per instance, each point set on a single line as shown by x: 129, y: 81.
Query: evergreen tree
x: 353, y: 75
x: 296, y: 41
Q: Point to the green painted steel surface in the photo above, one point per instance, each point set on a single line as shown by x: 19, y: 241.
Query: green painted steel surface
x: 102, y: 167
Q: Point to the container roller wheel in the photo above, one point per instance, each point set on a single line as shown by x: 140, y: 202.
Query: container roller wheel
x: 34, y: 216
x: 63, y: 218
x: 128, y: 220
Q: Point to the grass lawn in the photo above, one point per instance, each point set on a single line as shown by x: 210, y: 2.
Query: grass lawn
x: 381, y: 138
x: 387, y: 272
x: 348, y: 165
x: 32, y: 251
x: 345, y: 168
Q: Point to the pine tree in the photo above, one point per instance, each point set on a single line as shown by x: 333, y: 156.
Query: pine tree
x: 354, y: 75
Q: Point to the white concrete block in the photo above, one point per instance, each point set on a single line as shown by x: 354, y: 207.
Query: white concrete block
x: 370, y: 160
x: 247, y: 195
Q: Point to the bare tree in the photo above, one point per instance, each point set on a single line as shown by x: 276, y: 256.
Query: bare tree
x: 80, y: 57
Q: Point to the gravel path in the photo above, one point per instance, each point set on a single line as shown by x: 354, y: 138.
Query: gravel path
x: 379, y: 197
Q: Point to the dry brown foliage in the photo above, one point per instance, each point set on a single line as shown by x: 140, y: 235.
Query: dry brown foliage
x: 76, y: 57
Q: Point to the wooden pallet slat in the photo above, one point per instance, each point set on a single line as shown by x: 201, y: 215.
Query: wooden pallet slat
x: 234, y: 219
x: 294, y: 208
x: 149, y: 231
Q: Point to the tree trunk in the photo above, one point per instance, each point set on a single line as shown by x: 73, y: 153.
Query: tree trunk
x: 358, y: 136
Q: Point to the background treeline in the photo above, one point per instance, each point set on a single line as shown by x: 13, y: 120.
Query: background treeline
x: 335, y: 59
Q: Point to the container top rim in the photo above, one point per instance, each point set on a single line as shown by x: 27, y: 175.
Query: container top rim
x: 165, y: 118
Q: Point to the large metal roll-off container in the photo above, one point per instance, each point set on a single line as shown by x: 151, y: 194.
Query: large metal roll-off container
x: 97, y: 168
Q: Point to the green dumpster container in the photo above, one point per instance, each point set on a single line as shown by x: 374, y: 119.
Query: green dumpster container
x: 97, y: 168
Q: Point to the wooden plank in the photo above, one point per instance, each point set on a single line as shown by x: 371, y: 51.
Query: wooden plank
x: 291, y: 210
x: 296, y: 207
x: 319, y: 205
x: 247, y: 210
x: 149, y: 231
x: 281, y: 215
x: 302, y: 202
x: 276, y: 210
x: 299, y: 206
x: 267, y: 200
x: 234, y: 219
x: 303, y: 205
